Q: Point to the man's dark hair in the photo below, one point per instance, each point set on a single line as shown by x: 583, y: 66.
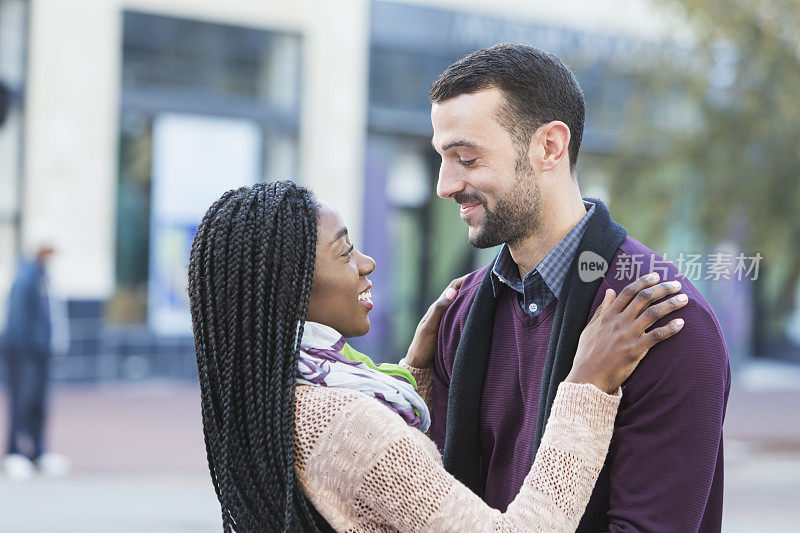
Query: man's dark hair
x: 537, y: 86
x: 250, y: 274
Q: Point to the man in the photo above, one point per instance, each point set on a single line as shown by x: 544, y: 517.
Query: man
x: 507, y: 123
x: 27, y: 354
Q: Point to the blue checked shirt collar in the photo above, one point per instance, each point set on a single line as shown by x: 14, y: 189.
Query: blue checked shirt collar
x: 542, y: 284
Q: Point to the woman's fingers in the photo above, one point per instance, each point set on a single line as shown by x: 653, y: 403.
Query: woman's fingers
x: 654, y: 312
x: 608, y: 297
x: 630, y: 291
x: 440, y: 306
x: 450, y: 294
x: 616, y: 338
x: 435, y: 312
x: 646, y: 297
x: 656, y: 335
x: 423, y: 346
x: 456, y: 283
x: 437, y: 309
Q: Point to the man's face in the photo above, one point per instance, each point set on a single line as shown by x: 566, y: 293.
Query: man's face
x: 483, y: 170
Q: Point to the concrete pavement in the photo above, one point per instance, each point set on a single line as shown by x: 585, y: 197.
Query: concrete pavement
x: 139, y: 461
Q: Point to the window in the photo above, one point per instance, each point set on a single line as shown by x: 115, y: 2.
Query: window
x: 215, y: 75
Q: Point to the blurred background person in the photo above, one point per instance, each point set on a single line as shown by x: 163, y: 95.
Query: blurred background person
x: 27, y: 354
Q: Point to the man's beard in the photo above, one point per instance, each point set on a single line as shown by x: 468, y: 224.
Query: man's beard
x: 515, y: 216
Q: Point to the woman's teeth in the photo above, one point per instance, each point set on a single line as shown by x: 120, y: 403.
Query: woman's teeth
x: 365, y: 296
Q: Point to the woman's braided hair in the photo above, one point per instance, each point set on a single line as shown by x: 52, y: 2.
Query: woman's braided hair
x: 250, y: 275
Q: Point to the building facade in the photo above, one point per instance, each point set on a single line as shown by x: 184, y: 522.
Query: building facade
x: 132, y: 116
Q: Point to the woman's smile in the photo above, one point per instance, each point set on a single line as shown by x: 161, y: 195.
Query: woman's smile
x: 365, y: 297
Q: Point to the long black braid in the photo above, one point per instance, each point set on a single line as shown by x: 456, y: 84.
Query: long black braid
x: 250, y: 275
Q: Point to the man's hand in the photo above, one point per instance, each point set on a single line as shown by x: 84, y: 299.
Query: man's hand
x: 423, y: 346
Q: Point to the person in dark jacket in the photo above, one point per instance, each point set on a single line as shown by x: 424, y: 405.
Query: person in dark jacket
x: 508, y: 123
x: 26, y: 344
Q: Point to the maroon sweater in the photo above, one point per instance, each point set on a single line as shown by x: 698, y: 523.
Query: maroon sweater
x: 664, y: 469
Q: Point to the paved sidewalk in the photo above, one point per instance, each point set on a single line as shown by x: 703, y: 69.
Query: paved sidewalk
x: 128, y: 427
x: 139, y: 461
x: 138, y: 464
x: 104, y: 503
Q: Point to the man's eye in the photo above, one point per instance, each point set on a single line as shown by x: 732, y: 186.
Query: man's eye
x: 466, y: 163
x: 349, y: 251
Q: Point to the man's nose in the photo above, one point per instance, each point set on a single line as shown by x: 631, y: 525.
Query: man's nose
x: 449, y: 182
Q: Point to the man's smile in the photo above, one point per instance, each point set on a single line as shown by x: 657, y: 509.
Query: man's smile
x: 468, y: 208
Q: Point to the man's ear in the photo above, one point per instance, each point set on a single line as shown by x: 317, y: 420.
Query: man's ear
x: 549, y: 145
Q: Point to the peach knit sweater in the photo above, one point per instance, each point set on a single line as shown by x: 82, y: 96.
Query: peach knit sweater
x: 364, y: 469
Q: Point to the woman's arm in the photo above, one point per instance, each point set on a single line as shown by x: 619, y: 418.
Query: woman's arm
x: 567, y: 463
x: 424, y: 378
x: 389, y: 474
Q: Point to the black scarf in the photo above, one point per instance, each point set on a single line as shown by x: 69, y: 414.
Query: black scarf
x: 462, y: 456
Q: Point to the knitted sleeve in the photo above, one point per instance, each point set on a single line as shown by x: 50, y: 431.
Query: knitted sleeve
x: 424, y: 377
x: 369, y: 471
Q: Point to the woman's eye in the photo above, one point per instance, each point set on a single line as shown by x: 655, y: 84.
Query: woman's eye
x: 466, y: 163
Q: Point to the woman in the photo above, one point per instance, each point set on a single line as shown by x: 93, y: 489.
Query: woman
x: 303, y: 433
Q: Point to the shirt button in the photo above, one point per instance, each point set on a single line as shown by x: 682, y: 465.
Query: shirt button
x: 533, y: 308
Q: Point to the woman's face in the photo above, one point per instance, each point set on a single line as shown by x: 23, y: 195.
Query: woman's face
x: 340, y: 296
